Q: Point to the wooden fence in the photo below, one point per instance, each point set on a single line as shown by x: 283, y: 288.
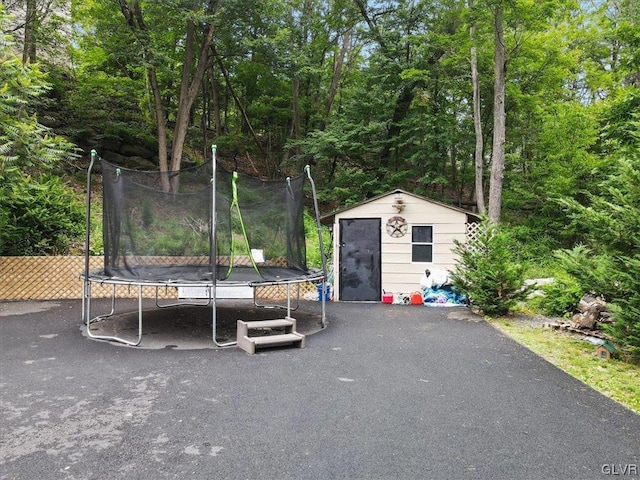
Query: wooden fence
x: 52, y: 278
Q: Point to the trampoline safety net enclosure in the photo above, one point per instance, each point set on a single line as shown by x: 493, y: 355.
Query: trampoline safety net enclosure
x: 200, y: 226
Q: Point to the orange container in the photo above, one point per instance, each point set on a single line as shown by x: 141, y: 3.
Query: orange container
x: 416, y: 298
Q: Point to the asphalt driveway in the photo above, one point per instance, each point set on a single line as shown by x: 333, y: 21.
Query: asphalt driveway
x: 384, y: 392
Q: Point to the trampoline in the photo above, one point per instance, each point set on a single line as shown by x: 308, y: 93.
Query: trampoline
x: 197, y: 229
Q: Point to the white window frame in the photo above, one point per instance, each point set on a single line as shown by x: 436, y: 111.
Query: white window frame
x: 422, y: 243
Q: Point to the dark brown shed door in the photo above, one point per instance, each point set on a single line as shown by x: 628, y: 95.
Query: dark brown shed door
x: 360, y: 259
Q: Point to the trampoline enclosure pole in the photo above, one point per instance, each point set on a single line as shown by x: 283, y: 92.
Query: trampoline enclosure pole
x: 213, y: 251
x: 214, y: 254
x: 320, y: 243
x: 85, y: 286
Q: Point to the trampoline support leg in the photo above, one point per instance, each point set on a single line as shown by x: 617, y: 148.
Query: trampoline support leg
x: 139, y: 315
x: 86, y: 312
x: 214, y: 328
x: 113, y: 338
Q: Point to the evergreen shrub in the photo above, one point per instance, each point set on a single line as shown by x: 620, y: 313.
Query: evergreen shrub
x: 487, y: 272
x: 609, y: 263
x: 560, y: 297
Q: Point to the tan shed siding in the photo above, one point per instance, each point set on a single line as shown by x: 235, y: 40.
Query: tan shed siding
x: 397, y: 257
x: 441, y: 255
x: 403, y: 282
x: 399, y: 273
x: 445, y: 261
x: 402, y: 252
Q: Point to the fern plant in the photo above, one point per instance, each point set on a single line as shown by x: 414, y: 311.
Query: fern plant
x: 25, y: 144
x: 39, y: 214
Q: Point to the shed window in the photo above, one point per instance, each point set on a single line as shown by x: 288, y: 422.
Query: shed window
x: 422, y: 243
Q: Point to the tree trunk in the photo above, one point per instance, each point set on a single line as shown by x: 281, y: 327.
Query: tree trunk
x: 161, y: 126
x: 295, y: 126
x: 189, y: 88
x: 135, y: 21
x: 477, y: 122
x: 184, y: 102
x: 215, y: 99
x: 30, y: 24
x: 499, y: 120
x: 337, y: 73
x: 225, y: 74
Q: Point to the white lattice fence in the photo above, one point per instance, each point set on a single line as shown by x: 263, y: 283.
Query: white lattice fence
x: 473, y: 229
x: 52, y: 278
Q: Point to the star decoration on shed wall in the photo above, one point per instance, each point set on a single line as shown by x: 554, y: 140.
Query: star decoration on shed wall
x: 397, y: 227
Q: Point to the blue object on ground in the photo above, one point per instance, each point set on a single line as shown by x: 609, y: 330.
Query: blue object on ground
x: 327, y: 293
x: 445, y: 295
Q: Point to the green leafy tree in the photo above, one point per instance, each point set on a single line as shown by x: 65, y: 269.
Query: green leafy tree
x: 487, y: 272
x: 38, y: 213
x: 25, y: 144
x: 41, y: 25
x: 164, y: 46
x: 610, y: 261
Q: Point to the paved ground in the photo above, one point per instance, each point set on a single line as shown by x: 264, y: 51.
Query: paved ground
x: 190, y: 327
x: 385, y: 392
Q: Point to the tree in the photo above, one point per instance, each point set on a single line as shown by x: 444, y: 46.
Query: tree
x: 606, y: 259
x: 499, y: 116
x: 516, y: 25
x: 26, y: 146
x: 42, y: 26
x: 136, y: 23
x: 609, y: 261
x: 399, y: 122
x: 477, y: 119
x: 39, y: 214
x: 487, y: 272
x: 194, y: 63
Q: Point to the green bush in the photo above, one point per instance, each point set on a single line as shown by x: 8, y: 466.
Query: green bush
x: 610, y: 262
x: 532, y: 246
x: 616, y: 279
x: 626, y: 311
x: 560, y: 297
x: 487, y: 273
x: 39, y: 217
x: 314, y: 258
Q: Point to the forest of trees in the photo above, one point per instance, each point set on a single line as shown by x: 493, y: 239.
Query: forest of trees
x: 526, y: 111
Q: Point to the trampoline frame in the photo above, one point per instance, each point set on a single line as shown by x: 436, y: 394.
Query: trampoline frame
x: 90, y: 277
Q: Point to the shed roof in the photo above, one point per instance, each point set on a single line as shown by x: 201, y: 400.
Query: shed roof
x: 328, y: 218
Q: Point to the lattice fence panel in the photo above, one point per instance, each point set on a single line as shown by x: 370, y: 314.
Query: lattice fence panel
x: 40, y: 277
x: 52, y: 278
x: 473, y: 229
x: 274, y: 293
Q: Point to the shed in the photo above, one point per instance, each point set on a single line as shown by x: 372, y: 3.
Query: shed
x: 386, y: 243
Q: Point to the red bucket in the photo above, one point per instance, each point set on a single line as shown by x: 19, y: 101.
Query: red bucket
x: 416, y: 298
x: 387, y: 298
